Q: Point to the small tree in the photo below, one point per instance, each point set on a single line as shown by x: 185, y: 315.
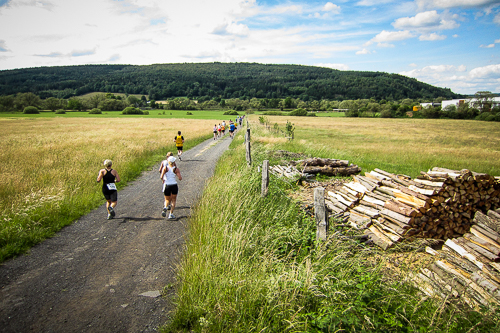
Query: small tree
x: 290, y: 129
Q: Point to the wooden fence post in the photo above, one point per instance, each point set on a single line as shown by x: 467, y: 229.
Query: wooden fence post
x: 320, y: 214
x: 265, y: 178
x: 247, y: 145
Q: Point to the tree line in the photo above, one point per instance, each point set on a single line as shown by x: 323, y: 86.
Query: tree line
x: 216, y: 80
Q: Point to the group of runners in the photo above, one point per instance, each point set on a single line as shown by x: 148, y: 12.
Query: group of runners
x: 220, y: 130
x: 169, y: 173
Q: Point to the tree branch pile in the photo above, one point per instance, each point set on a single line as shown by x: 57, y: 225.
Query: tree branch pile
x: 326, y: 166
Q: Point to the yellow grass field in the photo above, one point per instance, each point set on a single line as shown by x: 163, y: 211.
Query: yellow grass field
x: 405, y: 146
x: 48, y: 167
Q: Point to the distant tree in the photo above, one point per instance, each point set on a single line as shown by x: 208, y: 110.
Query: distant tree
x: 94, y: 100
x: 75, y: 104
x: 483, y: 100
x: 6, y: 103
x: 27, y: 99
x: 133, y: 100
x: 52, y: 103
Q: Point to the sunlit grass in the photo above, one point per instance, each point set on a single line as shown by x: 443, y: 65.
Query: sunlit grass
x: 48, y: 167
x: 405, y: 146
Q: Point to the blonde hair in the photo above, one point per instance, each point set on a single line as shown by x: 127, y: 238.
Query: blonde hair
x: 108, y: 163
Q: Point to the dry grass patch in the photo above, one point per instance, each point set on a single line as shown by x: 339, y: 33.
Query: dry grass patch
x: 48, y: 166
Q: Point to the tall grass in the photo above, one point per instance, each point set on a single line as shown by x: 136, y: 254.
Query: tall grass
x: 252, y: 265
x: 48, y: 168
x: 405, y: 146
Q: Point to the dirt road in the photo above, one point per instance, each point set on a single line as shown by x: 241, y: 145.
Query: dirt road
x: 105, y: 276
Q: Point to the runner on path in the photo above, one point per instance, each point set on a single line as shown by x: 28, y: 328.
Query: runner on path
x: 179, y: 143
x: 170, y: 188
x: 109, y: 178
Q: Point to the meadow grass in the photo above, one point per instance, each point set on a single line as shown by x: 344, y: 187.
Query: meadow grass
x: 216, y: 115
x: 48, y: 167
x: 404, y: 146
x: 252, y: 264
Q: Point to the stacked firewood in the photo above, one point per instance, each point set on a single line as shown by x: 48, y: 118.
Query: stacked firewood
x: 438, y: 204
x: 468, y: 266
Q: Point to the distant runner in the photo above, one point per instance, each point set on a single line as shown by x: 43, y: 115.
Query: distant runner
x: 179, y: 143
x: 109, y: 178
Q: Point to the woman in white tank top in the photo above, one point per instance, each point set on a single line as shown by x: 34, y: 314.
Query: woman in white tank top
x: 169, y: 175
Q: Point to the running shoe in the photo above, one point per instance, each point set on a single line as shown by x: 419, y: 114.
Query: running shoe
x: 111, y: 211
x: 169, y: 207
x: 110, y: 217
x: 171, y: 216
x: 164, y: 211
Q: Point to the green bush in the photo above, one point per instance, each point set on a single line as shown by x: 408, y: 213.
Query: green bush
x: 189, y: 113
x: 146, y: 112
x: 132, y: 110
x: 491, y: 117
x: 60, y: 111
x: 231, y: 113
x: 483, y: 116
x: 95, y: 111
x: 298, y: 113
x: 386, y: 114
x: 31, y: 110
x: 351, y: 113
x: 272, y: 113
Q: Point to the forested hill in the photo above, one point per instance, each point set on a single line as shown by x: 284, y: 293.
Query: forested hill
x: 225, y: 80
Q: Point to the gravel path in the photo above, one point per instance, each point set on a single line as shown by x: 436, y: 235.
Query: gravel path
x: 105, y: 276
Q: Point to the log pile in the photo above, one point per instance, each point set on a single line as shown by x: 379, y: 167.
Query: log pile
x: 326, y: 166
x: 467, y: 267
x: 439, y: 204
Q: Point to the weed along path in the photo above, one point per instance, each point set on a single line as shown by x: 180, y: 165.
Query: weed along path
x: 101, y: 275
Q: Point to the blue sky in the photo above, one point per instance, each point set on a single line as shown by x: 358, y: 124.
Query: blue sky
x: 447, y: 43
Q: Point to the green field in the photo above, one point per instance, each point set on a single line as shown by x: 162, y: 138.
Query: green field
x: 167, y: 114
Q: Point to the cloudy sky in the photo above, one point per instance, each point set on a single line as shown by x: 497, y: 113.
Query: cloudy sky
x: 447, y: 43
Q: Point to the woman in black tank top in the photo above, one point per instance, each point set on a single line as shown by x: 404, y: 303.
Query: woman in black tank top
x: 109, y: 178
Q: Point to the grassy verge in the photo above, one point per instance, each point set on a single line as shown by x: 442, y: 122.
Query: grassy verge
x: 252, y: 265
x: 48, y: 168
x: 405, y: 146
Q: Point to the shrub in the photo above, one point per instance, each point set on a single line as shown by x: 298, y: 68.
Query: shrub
x: 298, y: 113
x: 146, y: 112
x: 60, y: 111
x: 231, y: 113
x: 490, y: 117
x: 483, y: 116
x: 272, y: 113
x: 132, y: 110
x: 311, y: 114
x: 497, y: 117
x: 386, y: 114
x: 189, y: 113
x: 351, y: 113
x: 31, y: 110
x: 95, y: 111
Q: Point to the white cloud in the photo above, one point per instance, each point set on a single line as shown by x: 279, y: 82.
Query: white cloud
x: 363, y: 51
x: 371, y: 3
x: 497, y: 41
x: 392, y: 36
x: 489, y: 46
x: 446, y: 4
x: 296, y: 9
x: 413, y: 65
x: 425, y: 22
x: 231, y: 29
x: 330, y: 7
x: 486, y: 72
x: 342, y: 67
x: 431, y: 37
x: 3, y: 46
x: 496, y: 19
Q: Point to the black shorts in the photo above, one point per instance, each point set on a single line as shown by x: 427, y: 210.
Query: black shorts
x: 179, y: 148
x: 171, y: 189
x: 112, y: 196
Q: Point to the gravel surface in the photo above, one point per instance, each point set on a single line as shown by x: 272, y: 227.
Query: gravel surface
x: 100, y: 275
